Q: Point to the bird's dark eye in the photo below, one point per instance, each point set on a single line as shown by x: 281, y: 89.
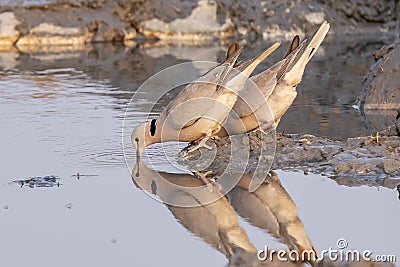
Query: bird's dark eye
x: 137, y: 139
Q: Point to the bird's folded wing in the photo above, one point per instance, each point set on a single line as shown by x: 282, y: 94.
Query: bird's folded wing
x: 257, y: 90
x: 197, y: 98
x: 261, y: 86
x: 253, y: 95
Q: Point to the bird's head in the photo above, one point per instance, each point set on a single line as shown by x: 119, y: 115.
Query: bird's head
x: 144, y: 135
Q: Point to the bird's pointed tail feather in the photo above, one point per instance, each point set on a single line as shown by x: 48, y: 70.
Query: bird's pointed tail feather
x: 294, y: 75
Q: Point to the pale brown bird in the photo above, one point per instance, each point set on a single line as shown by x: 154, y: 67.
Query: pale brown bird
x: 268, y: 95
x: 200, y: 109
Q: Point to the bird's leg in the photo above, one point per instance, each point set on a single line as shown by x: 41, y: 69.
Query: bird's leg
x: 202, y: 143
x: 217, y: 138
x: 203, y: 176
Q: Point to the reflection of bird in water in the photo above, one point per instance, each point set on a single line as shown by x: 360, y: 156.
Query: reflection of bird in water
x: 273, y: 90
x: 210, y: 215
x: 206, y: 214
x: 201, y: 107
x: 271, y: 208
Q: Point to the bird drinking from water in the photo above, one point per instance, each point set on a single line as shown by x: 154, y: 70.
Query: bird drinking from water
x: 200, y: 109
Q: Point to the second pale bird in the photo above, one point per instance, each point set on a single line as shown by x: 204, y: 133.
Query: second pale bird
x: 269, y: 94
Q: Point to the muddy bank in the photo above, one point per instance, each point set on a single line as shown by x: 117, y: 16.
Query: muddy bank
x: 75, y: 23
x: 373, y: 161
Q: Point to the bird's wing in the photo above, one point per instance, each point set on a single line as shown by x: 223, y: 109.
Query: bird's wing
x: 255, y: 92
x: 195, y: 99
x: 261, y: 86
x: 248, y: 67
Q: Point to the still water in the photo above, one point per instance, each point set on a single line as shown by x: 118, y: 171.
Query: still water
x: 62, y: 114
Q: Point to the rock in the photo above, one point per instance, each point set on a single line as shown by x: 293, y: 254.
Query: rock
x: 50, y: 34
x: 275, y: 33
x: 201, y: 23
x: 343, y: 167
x: 104, y: 32
x: 365, y: 10
x: 315, y: 18
x: 8, y: 34
x: 382, y: 51
x: 50, y: 29
x: 381, y: 86
x: 391, y: 165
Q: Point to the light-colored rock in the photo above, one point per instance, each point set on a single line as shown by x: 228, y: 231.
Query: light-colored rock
x: 201, y: 23
x: 129, y: 35
x: 51, y: 29
x: 315, y: 18
x: 33, y: 40
x: 275, y: 33
x: 8, y: 34
x: 50, y: 34
x: 242, y: 31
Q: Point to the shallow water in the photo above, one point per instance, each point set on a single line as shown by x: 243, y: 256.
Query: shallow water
x: 62, y: 114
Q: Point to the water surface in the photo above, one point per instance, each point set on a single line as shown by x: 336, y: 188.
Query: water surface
x: 62, y: 114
